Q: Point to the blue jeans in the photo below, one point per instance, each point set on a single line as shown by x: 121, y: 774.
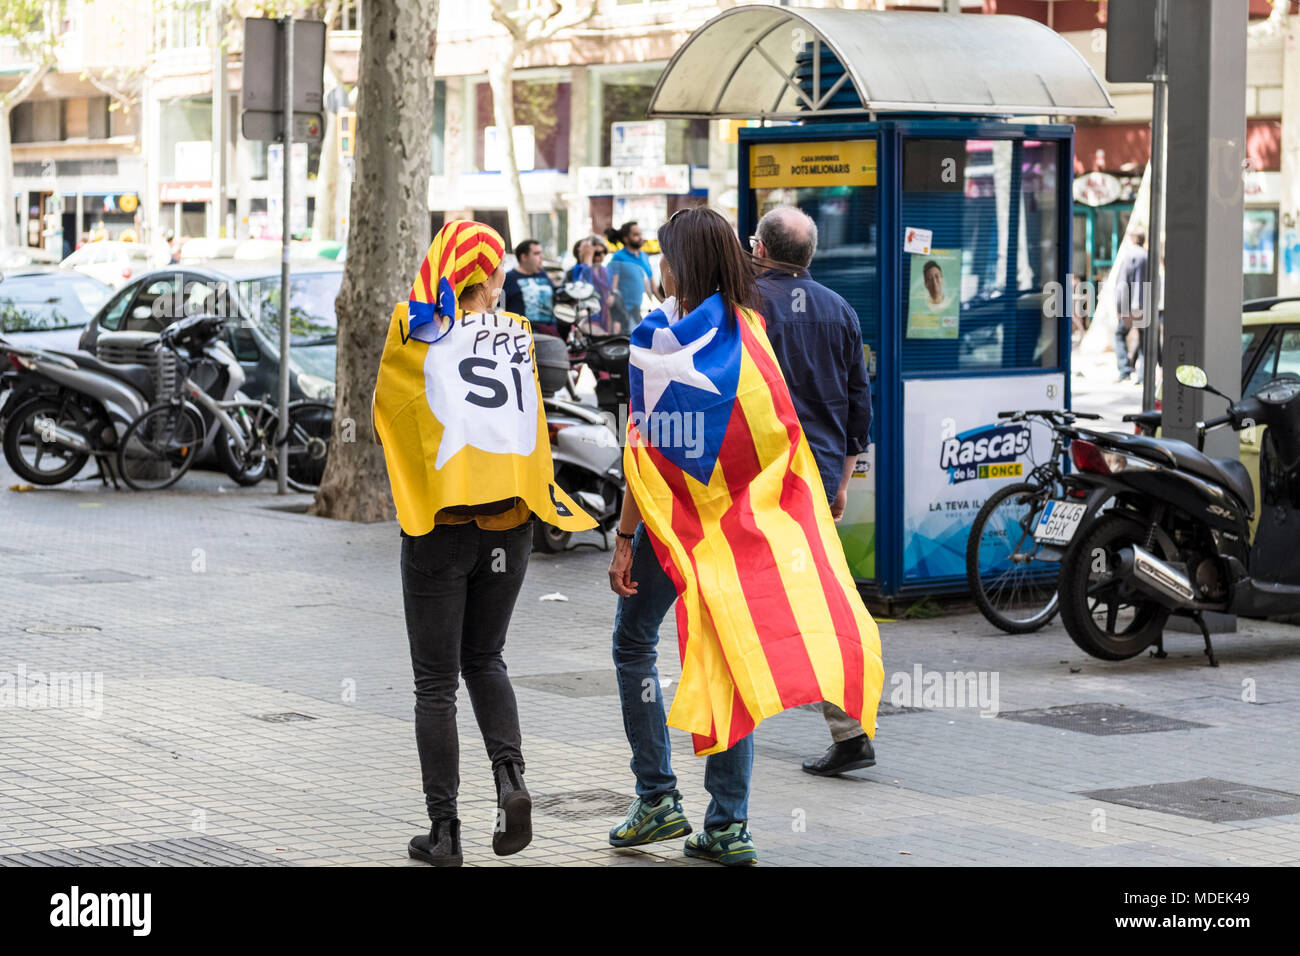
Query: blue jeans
x: 636, y: 635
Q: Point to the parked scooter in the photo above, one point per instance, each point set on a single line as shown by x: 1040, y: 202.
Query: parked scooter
x: 63, y: 408
x: 585, y: 449
x: 606, y: 355
x: 1165, y: 529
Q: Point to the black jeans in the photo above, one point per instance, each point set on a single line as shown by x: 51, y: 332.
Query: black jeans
x: 459, y: 585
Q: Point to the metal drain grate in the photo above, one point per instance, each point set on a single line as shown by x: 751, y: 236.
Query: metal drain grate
x: 286, y: 718
x: 202, y: 851
x: 1215, y: 801
x: 583, y: 804
x: 595, y: 683
x: 1101, y: 720
x: 93, y: 576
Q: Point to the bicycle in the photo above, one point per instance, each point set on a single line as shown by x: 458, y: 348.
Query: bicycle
x: 161, y: 444
x: 1017, y: 539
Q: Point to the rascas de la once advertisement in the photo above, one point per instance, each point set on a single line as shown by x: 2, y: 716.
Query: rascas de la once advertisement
x: 958, y: 453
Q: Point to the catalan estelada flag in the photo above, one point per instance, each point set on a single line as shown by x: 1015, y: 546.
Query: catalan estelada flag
x: 768, y: 616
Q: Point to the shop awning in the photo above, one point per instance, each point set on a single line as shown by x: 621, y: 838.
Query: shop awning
x: 783, y: 63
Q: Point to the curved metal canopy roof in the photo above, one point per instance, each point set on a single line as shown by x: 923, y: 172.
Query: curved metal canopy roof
x: 761, y: 61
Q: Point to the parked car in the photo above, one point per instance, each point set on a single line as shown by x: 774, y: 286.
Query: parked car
x: 112, y: 262
x: 248, y: 293
x: 48, y: 307
x: 12, y: 257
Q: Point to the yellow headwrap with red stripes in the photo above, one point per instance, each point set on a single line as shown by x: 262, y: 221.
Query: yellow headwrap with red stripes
x: 463, y: 253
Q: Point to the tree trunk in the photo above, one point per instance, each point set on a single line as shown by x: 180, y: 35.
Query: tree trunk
x: 325, y: 225
x: 387, y: 239
x: 501, y: 80
x: 8, y: 221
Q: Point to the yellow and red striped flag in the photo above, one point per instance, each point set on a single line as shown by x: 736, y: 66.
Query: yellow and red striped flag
x: 768, y: 616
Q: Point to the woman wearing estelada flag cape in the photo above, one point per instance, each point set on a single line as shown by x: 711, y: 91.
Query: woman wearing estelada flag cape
x: 458, y: 410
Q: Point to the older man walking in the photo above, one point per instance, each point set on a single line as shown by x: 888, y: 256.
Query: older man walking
x: 818, y: 344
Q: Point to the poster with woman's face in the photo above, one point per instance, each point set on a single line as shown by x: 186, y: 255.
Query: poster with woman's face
x: 934, y: 295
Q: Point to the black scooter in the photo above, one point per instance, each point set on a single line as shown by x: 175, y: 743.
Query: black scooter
x: 1165, y: 529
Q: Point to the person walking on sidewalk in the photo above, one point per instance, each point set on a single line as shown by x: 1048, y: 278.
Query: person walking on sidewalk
x: 818, y: 344
x: 630, y: 276
x: 465, y: 446
x: 1130, y: 301
x: 757, y: 634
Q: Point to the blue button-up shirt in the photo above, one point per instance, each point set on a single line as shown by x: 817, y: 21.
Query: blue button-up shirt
x: 818, y: 344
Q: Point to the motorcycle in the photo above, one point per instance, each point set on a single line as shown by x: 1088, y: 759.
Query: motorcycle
x: 606, y: 355
x: 64, y: 408
x: 584, y: 448
x: 1158, y: 528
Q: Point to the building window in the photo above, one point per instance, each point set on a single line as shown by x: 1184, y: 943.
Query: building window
x: 542, y: 105
x: 184, y: 24
x: 624, y: 96
x: 439, y: 127
x: 348, y: 16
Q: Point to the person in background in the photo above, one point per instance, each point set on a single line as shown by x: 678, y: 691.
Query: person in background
x: 590, y: 267
x: 1130, y: 298
x: 630, y: 275
x: 818, y: 344
x: 528, y: 289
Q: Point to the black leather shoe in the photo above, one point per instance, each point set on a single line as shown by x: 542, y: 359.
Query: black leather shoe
x: 441, y: 847
x: 514, y: 826
x: 846, y: 755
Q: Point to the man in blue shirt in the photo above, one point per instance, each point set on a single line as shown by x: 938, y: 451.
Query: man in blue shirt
x: 529, y: 291
x: 630, y: 275
x: 818, y: 344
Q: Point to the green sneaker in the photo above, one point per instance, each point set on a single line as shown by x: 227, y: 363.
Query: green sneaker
x: 651, y: 822
x: 730, y: 846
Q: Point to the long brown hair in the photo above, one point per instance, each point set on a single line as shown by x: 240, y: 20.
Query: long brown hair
x: 705, y: 257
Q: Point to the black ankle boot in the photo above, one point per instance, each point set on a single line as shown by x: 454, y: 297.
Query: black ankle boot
x: 442, y: 845
x: 514, y: 826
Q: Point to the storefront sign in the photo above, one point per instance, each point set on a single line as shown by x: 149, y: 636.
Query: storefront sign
x: 773, y: 165
x: 1258, y: 249
x: 634, y: 180
x: 957, y: 453
x: 650, y: 211
x: 185, y: 192
x: 494, y: 149
x: 638, y: 144
x: 1096, y: 189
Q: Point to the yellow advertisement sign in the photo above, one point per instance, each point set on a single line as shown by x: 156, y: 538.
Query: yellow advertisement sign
x: 777, y: 165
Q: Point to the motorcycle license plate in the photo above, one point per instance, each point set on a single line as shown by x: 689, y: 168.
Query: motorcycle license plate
x: 1059, y: 522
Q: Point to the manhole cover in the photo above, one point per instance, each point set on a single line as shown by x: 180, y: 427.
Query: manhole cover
x: 1215, y: 801
x: 65, y: 630
x: 1101, y: 720
x: 93, y: 576
x: 286, y: 718
x: 596, y: 683
x: 202, y: 851
x: 582, y: 804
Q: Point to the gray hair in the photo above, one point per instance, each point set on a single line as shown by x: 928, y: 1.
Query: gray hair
x: 789, y: 234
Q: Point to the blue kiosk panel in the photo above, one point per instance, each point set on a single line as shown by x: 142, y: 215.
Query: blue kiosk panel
x: 953, y: 250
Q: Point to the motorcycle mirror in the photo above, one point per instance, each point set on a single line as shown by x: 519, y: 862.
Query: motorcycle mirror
x: 1192, y: 376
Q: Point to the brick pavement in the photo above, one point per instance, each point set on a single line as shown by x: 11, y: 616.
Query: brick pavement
x: 207, y: 610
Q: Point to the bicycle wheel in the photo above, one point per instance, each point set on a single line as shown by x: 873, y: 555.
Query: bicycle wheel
x: 311, y: 424
x: 1014, y: 588
x: 159, y: 447
x: 256, y: 423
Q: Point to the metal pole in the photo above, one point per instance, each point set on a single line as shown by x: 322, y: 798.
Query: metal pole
x: 1156, y: 214
x: 286, y: 90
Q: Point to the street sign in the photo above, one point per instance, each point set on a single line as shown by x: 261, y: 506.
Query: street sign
x: 263, y: 65
x: 1130, y: 41
x: 264, y: 125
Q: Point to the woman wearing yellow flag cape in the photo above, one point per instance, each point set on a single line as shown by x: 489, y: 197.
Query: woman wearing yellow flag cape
x: 458, y: 410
